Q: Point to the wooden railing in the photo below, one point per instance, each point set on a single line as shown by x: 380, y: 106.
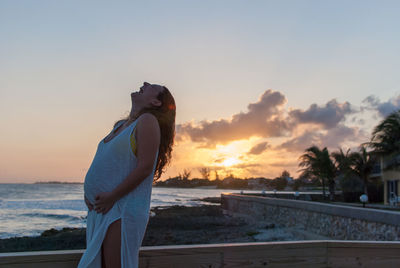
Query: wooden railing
x: 329, y: 253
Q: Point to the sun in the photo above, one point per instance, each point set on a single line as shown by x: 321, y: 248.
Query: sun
x: 230, y: 162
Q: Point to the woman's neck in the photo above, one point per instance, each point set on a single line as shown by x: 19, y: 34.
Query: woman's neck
x: 133, y: 115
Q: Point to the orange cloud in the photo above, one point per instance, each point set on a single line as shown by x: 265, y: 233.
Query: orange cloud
x: 259, y: 148
x: 264, y: 119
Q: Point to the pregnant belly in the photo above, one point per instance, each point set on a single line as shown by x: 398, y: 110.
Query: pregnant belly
x: 97, y: 182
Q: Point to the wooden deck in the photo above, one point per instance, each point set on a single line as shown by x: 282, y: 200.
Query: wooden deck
x: 329, y: 253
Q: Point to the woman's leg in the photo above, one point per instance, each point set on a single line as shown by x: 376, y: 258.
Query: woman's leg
x: 111, y: 247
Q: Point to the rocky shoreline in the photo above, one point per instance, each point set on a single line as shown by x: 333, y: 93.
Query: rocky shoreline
x: 174, y: 225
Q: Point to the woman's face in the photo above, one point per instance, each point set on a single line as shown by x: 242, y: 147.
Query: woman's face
x: 147, y: 95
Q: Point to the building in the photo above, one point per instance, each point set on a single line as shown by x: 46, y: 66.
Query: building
x: 390, y: 177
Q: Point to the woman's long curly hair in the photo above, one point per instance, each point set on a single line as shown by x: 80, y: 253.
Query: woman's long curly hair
x: 165, y: 115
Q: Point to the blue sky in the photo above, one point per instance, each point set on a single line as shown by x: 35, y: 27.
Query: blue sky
x: 68, y: 68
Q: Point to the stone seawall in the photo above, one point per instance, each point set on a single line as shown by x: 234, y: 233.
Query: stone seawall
x: 333, y: 221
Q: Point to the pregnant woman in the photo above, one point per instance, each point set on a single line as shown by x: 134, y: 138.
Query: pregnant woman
x: 119, y: 181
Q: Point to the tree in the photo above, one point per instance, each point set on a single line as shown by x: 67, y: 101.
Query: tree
x: 205, y: 172
x: 318, y: 163
x: 185, y: 174
x: 363, y: 164
x: 216, y: 175
x: 386, y: 135
x: 343, y: 162
x: 279, y: 183
x: 385, y: 139
x: 297, y: 184
x: 285, y: 174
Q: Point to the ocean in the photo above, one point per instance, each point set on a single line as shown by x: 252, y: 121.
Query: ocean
x: 29, y: 209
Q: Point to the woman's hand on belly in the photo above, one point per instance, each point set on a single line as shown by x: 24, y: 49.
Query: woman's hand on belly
x: 104, y: 202
x: 88, y: 204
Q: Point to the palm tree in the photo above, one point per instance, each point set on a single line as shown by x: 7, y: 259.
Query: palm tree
x: 342, y: 161
x: 386, y: 138
x: 318, y: 164
x: 362, y: 165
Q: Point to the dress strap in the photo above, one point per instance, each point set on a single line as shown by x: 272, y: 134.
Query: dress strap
x: 119, y: 124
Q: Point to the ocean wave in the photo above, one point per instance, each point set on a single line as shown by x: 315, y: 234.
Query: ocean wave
x: 54, y: 216
x: 29, y: 209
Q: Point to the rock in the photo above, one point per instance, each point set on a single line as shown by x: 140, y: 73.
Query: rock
x: 174, y: 225
x: 270, y: 226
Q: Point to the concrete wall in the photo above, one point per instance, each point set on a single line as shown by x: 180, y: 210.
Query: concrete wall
x: 333, y: 221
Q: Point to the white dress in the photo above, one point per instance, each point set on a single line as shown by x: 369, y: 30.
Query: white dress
x: 112, y: 163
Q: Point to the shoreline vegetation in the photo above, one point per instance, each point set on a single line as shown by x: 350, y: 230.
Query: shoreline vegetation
x: 350, y: 191
x: 173, y: 225
x: 229, y: 183
x: 283, y: 182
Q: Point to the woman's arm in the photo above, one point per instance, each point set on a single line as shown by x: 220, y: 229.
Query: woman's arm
x: 148, y: 141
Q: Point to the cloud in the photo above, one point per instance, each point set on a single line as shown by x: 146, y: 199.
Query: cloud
x: 342, y: 135
x: 357, y: 120
x: 245, y: 165
x: 219, y: 160
x: 267, y: 118
x: 264, y: 118
x: 283, y: 164
x: 332, y: 138
x: 329, y: 115
x: 259, y: 148
x: 301, y: 142
x: 384, y: 108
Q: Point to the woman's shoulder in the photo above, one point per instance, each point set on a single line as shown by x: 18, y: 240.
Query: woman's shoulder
x: 148, y: 120
x: 146, y: 117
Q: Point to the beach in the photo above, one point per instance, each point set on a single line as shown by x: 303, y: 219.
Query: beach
x: 173, y: 225
x: 30, y: 209
x: 53, y: 217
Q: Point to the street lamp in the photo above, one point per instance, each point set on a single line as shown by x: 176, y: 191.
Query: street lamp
x: 364, y: 199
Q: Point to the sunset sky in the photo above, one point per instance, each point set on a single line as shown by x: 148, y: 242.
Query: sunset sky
x: 255, y: 82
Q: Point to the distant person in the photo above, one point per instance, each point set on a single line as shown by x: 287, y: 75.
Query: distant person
x: 119, y: 181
